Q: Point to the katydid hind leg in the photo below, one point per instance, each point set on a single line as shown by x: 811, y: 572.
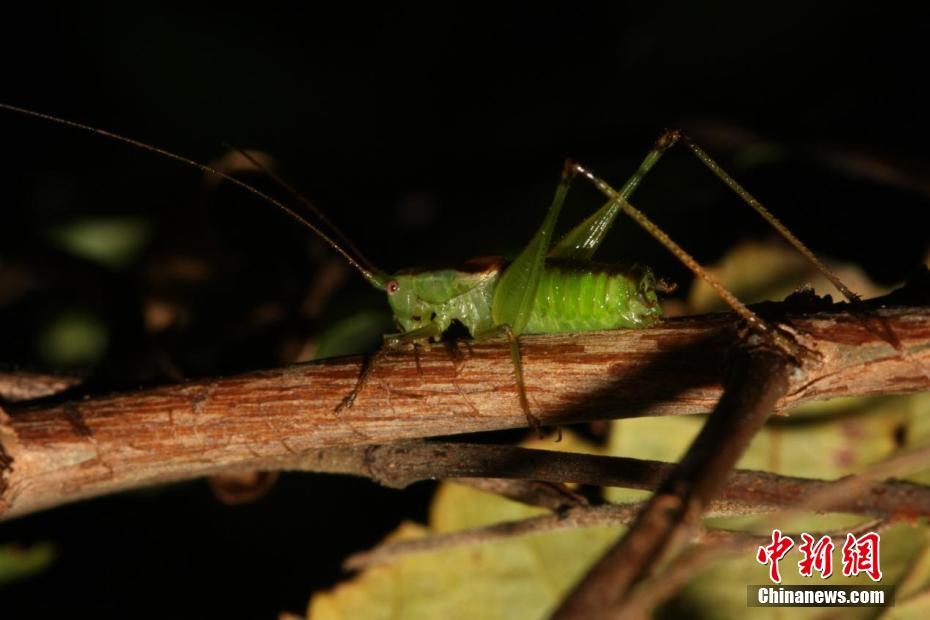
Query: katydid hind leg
x: 515, y: 291
x: 769, y: 217
x: 781, y: 340
x: 582, y: 241
x: 517, y: 359
x: 873, y: 321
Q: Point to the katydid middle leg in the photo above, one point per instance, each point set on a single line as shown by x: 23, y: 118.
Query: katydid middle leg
x: 517, y: 361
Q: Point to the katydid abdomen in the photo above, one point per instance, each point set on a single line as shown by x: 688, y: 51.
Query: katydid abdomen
x: 574, y: 297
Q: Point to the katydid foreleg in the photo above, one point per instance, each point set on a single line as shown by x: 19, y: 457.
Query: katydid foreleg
x: 391, y: 342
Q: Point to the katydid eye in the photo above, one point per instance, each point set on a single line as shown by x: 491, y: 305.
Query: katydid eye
x: 392, y: 287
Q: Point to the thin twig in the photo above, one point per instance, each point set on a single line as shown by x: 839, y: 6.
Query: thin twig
x: 404, y: 463
x: 574, y: 518
x: 555, y: 496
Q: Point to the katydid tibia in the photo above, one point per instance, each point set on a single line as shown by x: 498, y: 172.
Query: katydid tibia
x: 547, y: 288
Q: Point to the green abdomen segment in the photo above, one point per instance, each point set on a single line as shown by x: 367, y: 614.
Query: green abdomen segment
x: 593, y: 297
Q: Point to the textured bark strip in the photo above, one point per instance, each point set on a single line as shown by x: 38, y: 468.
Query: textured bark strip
x: 18, y: 386
x: 6, y: 470
x: 75, y: 450
x: 485, y: 466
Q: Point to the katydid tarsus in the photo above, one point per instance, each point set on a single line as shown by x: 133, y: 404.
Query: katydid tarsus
x: 547, y: 288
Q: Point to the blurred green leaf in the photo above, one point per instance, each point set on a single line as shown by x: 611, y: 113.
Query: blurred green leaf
x: 113, y: 242
x: 73, y: 338
x: 20, y: 562
x: 354, y: 334
x: 757, y: 271
x: 518, y: 578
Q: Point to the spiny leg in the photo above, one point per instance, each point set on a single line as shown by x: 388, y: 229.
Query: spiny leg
x: 517, y: 360
x: 739, y: 307
x: 582, y: 241
x: 672, y: 136
x: 873, y: 321
x: 391, y: 343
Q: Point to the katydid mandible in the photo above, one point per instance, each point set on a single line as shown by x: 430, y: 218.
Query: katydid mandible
x: 548, y: 288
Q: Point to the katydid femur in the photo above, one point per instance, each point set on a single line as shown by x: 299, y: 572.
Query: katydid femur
x: 547, y: 288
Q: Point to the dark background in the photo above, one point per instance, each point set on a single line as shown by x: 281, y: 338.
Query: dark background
x: 430, y: 135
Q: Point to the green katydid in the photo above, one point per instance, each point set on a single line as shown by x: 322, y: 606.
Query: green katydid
x: 547, y: 288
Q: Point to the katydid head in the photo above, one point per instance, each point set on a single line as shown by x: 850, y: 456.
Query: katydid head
x: 420, y: 297
x: 410, y: 310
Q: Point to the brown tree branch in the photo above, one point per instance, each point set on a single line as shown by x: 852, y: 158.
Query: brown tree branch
x: 53, y: 454
x: 657, y: 589
x: 555, y: 496
x: 19, y: 385
x: 401, y: 464
x: 746, y: 492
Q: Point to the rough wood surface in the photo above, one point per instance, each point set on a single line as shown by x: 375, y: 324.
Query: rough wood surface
x: 62, y: 452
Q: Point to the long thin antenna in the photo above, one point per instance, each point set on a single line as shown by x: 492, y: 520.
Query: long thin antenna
x: 306, y: 202
x: 375, y: 276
